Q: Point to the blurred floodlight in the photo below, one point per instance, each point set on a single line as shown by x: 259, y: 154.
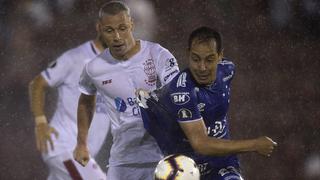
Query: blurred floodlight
x: 144, y: 18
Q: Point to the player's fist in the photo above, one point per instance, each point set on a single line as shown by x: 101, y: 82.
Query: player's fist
x: 81, y: 154
x: 264, y: 145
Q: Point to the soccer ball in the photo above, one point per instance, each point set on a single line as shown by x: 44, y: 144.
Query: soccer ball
x: 178, y: 167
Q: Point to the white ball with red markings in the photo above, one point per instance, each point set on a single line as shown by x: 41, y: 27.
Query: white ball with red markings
x: 178, y: 167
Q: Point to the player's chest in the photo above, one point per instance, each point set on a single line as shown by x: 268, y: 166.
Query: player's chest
x: 213, y: 104
x: 122, y: 79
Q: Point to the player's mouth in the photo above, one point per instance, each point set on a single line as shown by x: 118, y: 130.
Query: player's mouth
x: 203, y: 76
x: 118, y: 47
x: 203, y: 79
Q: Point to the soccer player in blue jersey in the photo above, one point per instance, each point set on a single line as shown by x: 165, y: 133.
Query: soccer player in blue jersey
x: 189, y: 115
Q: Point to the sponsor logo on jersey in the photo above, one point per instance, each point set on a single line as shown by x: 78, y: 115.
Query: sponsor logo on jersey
x: 170, y: 74
x: 201, y: 106
x: 218, y: 129
x: 204, y: 168
x: 150, y: 70
x: 182, y: 80
x: 224, y: 62
x: 120, y: 104
x: 226, y: 78
x: 180, y: 98
x: 170, y: 63
x: 108, y: 81
x: 184, y: 113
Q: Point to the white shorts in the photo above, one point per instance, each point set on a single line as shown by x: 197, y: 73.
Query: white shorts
x: 64, y: 167
x: 132, y: 171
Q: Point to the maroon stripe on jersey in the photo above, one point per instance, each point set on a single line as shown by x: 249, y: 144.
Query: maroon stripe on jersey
x: 73, y: 171
x: 93, y: 49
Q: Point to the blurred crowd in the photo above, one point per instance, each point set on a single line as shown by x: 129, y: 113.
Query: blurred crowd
x: 274, y: 44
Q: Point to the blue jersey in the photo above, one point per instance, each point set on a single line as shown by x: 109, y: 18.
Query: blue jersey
x: 183, y: 100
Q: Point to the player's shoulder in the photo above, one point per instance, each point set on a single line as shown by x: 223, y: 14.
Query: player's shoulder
x: 78, y: 50
x: 153, y: 46
x: 226, y: 61
x: 182, y: 81
x: 226, y: 70
x: 99, y: 63
x: 76, y: 53
x: 226, y: 66
x: 181, y: 89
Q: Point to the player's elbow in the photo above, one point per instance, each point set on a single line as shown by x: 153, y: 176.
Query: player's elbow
x: 31, y: 84
x: 37, y: 82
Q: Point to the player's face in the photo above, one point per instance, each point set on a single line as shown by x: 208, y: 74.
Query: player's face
x: 203, y: 60
x: 116, y: 32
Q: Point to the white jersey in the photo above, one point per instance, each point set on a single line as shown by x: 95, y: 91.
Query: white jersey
x: 64, y: 74
x: 117, y: 81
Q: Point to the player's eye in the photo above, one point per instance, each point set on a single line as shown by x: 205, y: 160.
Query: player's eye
x: 123, y: 28
x: 108, y: 30
x: 211, y: 58
x: 195, y: 58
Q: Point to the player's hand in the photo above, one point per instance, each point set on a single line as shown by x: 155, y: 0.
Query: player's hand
x: 81, y: 154
x: 142, y: 96
x: 43, y: 134
x: 265, y: 145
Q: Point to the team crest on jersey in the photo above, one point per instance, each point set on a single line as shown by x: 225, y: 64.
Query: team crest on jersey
x: 184, y: 113
x: 150, y: 70
x: 180, y: 98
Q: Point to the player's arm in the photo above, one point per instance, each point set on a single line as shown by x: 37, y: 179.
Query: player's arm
x: 86, y: 106
x: 166, y: 65
x: 205, y: 145
x: 37, y: 90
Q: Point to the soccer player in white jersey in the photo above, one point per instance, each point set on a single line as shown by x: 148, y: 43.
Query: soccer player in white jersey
x: 57, y: 140
x: 127, y: 65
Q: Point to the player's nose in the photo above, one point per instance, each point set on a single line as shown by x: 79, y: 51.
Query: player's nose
x: 202, y: 66
x: 116, y: 36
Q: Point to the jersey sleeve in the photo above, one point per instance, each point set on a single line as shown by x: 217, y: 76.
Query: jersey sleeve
x: 86, y: 85
x: 167, y: 66
x: 226, y: 72
x: 184, y: 103
x: 57, y: 71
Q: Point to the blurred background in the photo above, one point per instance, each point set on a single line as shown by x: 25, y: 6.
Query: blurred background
x: 274, y: 44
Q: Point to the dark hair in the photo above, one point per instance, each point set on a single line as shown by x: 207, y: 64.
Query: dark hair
x: 113, y: 8
x: 204, y: 34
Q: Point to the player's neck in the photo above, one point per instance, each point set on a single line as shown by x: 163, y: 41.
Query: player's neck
x: 99, y: 45
x: 134, y: 50
x: 136, y: 46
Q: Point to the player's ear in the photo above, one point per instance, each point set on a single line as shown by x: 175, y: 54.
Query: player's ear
x: 98, y: 26
x: 188, y: 52
x: 132, y: 24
